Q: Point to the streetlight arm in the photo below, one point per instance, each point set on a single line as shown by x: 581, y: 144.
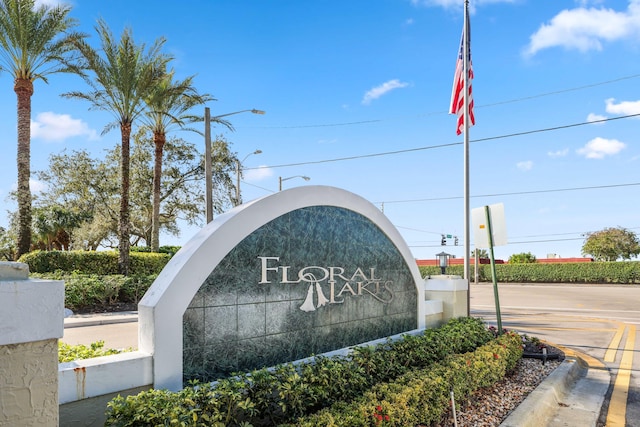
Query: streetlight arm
x: 253, y: 110
x: 281, y: 179
x: 207, y: 153
x: 306, y: 178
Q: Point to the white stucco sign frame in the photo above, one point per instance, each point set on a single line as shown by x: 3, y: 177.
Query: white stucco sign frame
x: 161, y: 310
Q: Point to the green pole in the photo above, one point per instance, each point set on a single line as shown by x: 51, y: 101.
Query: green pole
x: 493, y: 269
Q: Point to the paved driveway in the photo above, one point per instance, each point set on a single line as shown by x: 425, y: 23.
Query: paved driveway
x: 598, y: 320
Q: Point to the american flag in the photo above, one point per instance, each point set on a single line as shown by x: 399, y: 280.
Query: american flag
x: 457, y: 94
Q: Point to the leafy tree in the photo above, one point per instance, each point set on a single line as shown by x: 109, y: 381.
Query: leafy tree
x: 181, y: 191
x: 80, y: 184
x: 53, y: 227
x: 522, y: 258
x: 86, y: 187
x: 34, y: 43
x: 223, y: 167
x: 611, y: 244
x: 169, y: 104
x: 7, y: 245
x: 482, y: 253
x: 120, y: 81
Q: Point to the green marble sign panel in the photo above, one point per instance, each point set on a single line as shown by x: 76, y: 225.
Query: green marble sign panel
x: 313, y: 280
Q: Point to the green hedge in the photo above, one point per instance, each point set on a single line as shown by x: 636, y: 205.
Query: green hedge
x: 69, y: 353
x: 576, y: 272
x: 270, y: 397
x: 422, y: 396
x: 93, y: 292
x: 93, y: 262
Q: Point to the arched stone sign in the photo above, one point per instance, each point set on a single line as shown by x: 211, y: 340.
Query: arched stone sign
x: 301, y: 272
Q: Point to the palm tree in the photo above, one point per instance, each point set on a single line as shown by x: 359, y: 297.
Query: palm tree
x: 120, y: 82
x: 34, y: 42
x: 168, y: 104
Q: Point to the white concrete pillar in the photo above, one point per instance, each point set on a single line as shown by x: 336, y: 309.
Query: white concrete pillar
x: 31, y: 322
x: 452, y: 291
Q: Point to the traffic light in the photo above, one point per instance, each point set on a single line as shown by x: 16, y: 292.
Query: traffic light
x: 455, y: 240
x: 443, y: 241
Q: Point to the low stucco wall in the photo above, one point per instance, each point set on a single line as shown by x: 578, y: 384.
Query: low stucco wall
x: 31, y: 321
x: 29, y: 391
x: 86, y: 386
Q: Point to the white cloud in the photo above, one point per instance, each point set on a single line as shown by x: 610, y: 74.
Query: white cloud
x: 35, y: 186
x: 58, y: 127
x: 625, y: 107
x: 49, y: 3
x: 558, y: 153
x: 586, y: 28
x: 598, y: 148
x: 592, y: 117
x: 383, y: 89
x: 525, y: 166
x: 258, y: 174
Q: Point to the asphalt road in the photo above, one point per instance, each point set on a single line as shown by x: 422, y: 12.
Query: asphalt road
x: 597, y: 320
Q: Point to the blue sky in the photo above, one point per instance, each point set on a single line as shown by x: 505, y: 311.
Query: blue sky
x: 370, y: 81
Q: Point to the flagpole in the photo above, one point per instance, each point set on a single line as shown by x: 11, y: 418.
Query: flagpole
x: 467, y: 227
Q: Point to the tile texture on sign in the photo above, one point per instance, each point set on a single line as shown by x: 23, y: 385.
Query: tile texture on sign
x: 236, y: 324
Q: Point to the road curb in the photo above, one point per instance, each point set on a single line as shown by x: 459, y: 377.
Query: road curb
x: 542, y: 403
x: 572, y: 394
x: 78, y: 321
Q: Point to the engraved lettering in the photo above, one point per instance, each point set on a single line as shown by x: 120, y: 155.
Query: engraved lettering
x: 264, y: 260
x: 318, y: 278
x: 347, y: 288
x: 332, y: 293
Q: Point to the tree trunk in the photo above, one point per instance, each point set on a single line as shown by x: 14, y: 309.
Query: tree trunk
x: 159, y: 140
x: 125, y: 165
x: 24, y: 90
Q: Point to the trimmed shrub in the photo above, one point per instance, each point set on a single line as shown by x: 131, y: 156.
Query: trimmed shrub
x: 421, y: 397
x: 280, y: 395
x: 93, y: 292
x: 572, y: 272
x: 93, y: 262
x: 69, y: 353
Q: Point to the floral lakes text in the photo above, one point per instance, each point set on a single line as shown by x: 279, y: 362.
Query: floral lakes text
x: 340, y: 283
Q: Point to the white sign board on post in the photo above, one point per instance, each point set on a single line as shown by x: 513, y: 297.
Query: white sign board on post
x: 480, y: 226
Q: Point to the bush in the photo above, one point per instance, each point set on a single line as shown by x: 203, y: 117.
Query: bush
x: 421, y: 397
x: 522, y: 258
x: 92, y: 262
x: 576, y: 272
x: 69, y: 353
x: 269, y: 397
x: 92, y: 292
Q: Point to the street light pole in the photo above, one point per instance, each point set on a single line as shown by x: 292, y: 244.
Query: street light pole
x: 207, y: 156
x: 306, y: 178
x: 238, y: 169
x: 208, y: 186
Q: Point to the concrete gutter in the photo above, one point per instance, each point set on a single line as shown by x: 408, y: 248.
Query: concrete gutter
x: 572, y: 395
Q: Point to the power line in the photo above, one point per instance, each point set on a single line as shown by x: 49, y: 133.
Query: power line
x: 583, y: 233
x: 443, y: 112
x: 516, y: 193
x: 509, y: 243
x: 526, y: 98
x: 431, y: 147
